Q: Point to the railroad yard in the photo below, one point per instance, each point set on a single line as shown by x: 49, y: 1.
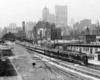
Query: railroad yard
x: 50, y: 40
x: 47, y: 68
x: 20, y: 67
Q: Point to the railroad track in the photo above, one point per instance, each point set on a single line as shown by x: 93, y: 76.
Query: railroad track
x: 83, y: 72
x: 60, y: 71
x: 67, y: 73
x: 57, y: 73
x: 52, y: 75
x: 50, y: 72
x: 89, y: 65
x: 96, y: 67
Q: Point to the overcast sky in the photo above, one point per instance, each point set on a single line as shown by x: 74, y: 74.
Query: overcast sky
x: 16, y: 11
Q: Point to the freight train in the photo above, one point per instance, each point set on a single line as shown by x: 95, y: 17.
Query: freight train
x: 74, y: 57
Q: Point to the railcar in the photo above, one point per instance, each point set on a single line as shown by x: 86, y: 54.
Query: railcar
x: 75, y: 57
x: 32, y: 48
x: 54, y: 53
x: 47, y: 51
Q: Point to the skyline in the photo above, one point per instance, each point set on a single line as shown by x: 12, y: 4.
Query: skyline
x: 16, y: 11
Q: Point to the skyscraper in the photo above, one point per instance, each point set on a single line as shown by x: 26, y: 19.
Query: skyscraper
x: 51, y: 18
x: 61, y: 14
x: 72, y: 23
x: 29, y: 27
x: 45, y: 13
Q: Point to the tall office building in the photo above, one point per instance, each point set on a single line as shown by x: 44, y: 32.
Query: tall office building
x: 51, y: 18
x: 29, y: 27
x: 45, y: 13
x: 72, y: 23
x: 61, y: 14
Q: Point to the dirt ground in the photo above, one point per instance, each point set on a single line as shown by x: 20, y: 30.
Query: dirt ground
x: 23, y: 63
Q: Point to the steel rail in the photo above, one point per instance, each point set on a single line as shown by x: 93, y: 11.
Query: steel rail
x: 94, y: 75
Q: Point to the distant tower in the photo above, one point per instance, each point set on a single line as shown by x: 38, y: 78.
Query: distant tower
x: 23, y: 26
x: 61, y: 14
x: 72, y: 22
x: 45, y: 13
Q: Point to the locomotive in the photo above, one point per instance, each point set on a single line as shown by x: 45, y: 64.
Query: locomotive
x: 74, y: 57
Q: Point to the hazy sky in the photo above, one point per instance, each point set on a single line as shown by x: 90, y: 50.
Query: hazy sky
x: 17, y: 11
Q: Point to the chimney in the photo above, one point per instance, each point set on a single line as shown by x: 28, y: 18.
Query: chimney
x: 23, y: 26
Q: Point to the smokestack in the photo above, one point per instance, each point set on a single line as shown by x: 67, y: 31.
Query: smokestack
x: 23, y: 26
